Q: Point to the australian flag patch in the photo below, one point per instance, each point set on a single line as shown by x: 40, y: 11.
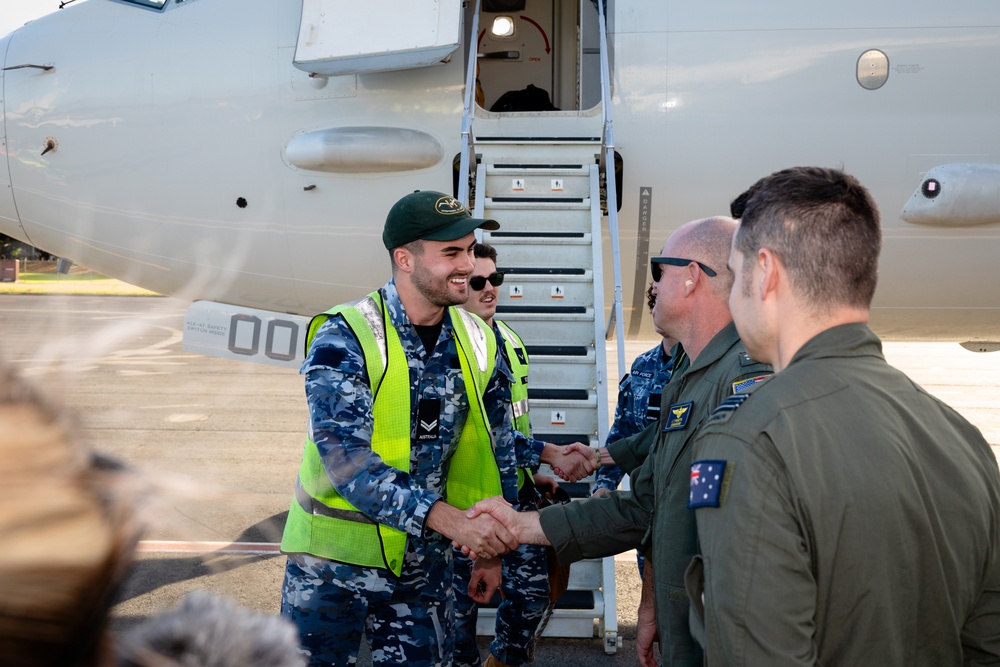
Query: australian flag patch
x: 706, y: 483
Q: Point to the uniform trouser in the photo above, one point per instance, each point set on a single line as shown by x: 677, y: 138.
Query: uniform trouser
x: 407, y: 620
x: 525, y: 587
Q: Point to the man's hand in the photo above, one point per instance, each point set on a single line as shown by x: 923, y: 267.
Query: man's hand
x: 485, y: 579
x: 546, y: 485
x: 571, y: 462
x: 600, y: 491
x: 524, y: 526
x: 646, y: 633
x: 480, y: 535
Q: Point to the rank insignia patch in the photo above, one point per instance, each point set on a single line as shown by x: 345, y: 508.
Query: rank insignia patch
x: 678, y: 415
x: 707, y: 478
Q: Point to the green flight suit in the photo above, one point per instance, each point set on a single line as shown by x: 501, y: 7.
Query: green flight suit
x: 654, y: 513
x: 858, y: 521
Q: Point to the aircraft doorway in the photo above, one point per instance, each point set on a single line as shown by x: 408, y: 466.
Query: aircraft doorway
x: 540, y: 56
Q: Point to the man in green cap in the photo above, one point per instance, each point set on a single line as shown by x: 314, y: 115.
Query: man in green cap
x: 409, y: 425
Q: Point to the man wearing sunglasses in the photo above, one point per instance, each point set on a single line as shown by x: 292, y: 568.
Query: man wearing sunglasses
x: 525, y: 571
x: 691, y: 289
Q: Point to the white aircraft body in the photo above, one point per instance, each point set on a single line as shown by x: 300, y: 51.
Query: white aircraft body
x: 245, y: 152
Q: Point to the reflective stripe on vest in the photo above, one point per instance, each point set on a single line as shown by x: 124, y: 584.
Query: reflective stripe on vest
x: 519, y: 390
x: 320, y: 521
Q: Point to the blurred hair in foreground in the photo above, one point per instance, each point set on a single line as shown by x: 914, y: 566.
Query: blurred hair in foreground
x: 68, y: 535
x: 69, y: 528
x: 207, y: 630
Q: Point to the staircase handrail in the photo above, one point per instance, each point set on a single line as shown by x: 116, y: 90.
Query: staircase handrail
x: 469, y: 112
x: 608, y: 146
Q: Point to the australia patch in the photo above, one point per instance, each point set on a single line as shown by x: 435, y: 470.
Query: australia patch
x: 746, y: 383
x: 707, y: 478
x: 678, y: 415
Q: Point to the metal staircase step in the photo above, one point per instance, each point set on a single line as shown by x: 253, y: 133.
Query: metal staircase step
x: 540, y: 351
x: 572, y: 329
x: 567, y: 253
x: 552, y: 218
x: 576, y: 372
x: 542, y: 289
x: 537, y: 181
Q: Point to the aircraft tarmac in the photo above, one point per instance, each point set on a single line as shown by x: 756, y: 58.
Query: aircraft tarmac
x: 227, y: 437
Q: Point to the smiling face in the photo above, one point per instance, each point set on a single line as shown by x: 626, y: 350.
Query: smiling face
x: 483, y: 302
x: 441, y: 270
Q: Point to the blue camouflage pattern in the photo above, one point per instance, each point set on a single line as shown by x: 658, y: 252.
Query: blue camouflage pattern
x: 318, y: 594
x: 524, y: 582
x: 650, y: 371
x: 525, y: 586
x: 333, y: 604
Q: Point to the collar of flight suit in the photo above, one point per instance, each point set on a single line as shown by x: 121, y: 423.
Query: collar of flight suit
x: 854, y: 339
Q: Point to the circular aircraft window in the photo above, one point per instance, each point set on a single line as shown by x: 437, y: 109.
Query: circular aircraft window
x: 930, y: 188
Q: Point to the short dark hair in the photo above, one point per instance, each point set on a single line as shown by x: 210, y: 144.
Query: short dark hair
x: 824, y: 227
x: 485, y: 251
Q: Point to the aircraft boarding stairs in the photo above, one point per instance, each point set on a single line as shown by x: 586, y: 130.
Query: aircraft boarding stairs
x: 538, y: 175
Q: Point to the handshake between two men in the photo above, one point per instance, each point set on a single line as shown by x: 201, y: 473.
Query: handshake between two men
x: 492, y: 527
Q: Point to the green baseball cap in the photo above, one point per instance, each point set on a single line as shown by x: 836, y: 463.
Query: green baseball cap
x: 432, y: 216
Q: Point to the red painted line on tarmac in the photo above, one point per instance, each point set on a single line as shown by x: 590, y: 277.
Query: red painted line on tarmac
x: 265, y: 548
x: 172, y: 546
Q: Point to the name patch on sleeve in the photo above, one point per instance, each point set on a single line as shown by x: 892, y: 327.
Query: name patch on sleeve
x: 707, y: 478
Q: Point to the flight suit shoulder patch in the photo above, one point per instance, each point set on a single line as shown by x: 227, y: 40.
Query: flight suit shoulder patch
x: 744, y: 383
x: 709, y: 483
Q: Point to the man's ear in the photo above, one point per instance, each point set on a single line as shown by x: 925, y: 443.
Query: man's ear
x: 770, y: 268
x: 692, y: 279
x: 403, y: 259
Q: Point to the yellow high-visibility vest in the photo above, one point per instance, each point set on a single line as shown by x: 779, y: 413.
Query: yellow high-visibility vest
x: 321, y: 522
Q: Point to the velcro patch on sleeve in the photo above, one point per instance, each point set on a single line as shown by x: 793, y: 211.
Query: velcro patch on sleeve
x: 707, y: 479
x: 328, y: 357
x: 745, y: 383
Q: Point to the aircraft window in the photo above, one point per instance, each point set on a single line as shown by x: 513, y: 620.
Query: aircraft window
x: 930, y: 188
x: 155, y: 4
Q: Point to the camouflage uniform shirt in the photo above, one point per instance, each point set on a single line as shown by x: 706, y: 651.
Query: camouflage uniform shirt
x: 341, y: 423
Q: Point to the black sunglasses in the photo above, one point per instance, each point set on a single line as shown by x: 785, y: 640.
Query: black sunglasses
x: 657, y: 271
x: 479, y: 282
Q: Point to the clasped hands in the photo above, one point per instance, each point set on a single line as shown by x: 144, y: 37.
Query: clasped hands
x: 571, y: 462
x: 492, y: 529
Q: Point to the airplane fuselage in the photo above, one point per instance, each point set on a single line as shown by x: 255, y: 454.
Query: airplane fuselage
x: 165, y: 147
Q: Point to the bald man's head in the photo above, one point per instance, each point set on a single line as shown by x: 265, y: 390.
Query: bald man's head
x: 708, y: 241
